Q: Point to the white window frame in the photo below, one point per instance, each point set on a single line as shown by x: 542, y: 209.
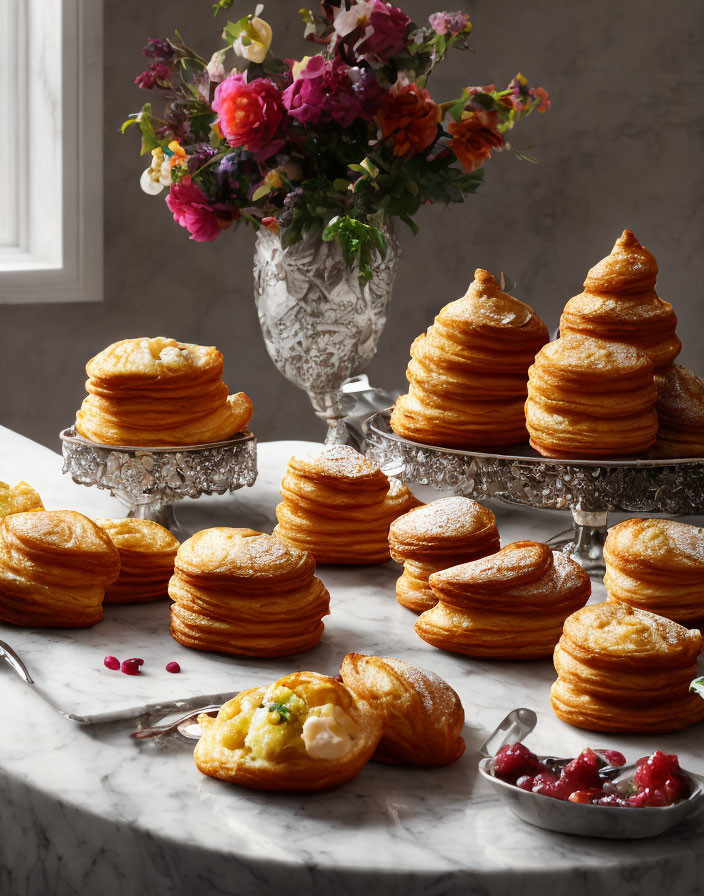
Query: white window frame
x: 51, y: 202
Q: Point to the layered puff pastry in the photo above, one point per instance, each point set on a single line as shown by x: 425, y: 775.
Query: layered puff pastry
x: 421, y: 715
x: 443, y: 533
x: 159, y: 392
x: 619, y: 303
x: 18, y: 498
x: 623, y: 669
x: 243, y: 592
x: 305, y: 732
x: 591, y: 398
x: 338, y: 505
x: 468, y: 373
x: 680, y: 410
x: 657, y: 565
x: 147, y: 553
x: 54, y: 568
x: 510, y: 605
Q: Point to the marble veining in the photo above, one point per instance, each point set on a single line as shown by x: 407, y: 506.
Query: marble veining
x: 86, y: 810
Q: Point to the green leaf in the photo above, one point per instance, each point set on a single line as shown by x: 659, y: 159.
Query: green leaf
x: 524, y: 156
x: 697, y: 686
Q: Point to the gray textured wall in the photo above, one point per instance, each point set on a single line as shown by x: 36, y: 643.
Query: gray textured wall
x: 621, y: 147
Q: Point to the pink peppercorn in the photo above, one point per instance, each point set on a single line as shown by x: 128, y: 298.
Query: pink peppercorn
x: 173, y: 667
x: 111, y: 662
x: 132, y: 667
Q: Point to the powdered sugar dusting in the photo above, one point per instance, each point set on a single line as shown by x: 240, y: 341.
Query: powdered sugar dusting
x: 339, y: 460
x: 445, y: 517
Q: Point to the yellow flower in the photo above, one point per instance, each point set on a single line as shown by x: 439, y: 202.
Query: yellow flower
x: 179, y: 157
x: 254, y: 41
x: 298, y: 67
x: 521, y: 79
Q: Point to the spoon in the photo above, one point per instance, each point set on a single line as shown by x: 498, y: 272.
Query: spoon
x: 518, y: 724
x: 186, y: 724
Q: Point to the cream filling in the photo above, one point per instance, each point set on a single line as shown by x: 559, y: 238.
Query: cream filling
x: 328, y: 736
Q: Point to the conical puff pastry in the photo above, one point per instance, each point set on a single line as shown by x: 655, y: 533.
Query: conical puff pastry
x: 622, y: 669
x: 511, y: 605
x: 159, y: 392
x: 468, y: 373
x: 147, y: 554
x: 54, y: 568
x: 591, y: 398
x: 680, y: 411
x: 19, y: 498
x: 305, y: 732
x: 657, y: 565
x: 338, y: 505
x: 619, y: 303
x: 422, y: 716
x: 243, y: 592
x: 437, y: 535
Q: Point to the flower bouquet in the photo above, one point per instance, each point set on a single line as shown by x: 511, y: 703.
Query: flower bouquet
x: 320, y: 155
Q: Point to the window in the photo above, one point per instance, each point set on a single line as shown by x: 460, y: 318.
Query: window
x: 51, y: 202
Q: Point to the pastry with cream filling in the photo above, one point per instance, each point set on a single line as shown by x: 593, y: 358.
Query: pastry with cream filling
x: 657, y: 565
x: 510, y: 605
x: 435, y: 536
x: 305, y: 732
x: 159, y: 392
x: 591, y: 398
x: 421, y: 715
x: 54, y: 569
x: 624, y: 669
x: 619, y: 304
x: 147, y: 554
x: 338, y: 505
x: 468, y: 373
x: 243, y: 592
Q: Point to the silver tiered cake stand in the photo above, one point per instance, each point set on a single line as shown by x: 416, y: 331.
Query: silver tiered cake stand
x: 589, y: 488
x: 148, y: 481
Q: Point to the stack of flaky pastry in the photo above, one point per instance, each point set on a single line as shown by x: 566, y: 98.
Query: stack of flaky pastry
x: 159, y: 392
x: 244, y: 592
x: 54, y: 568
x: 468, y: 374
x: 147, y: 553
x: 623, y: 669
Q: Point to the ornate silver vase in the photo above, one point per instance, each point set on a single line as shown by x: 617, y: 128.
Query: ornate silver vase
x: 320, y: 326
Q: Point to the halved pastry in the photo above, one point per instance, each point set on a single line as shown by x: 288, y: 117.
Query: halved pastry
x: 435, y: 536
x: 623, y: 669
x: 305, y: 732
x: 54, y: 568
x: 510, y: 605
x: 338, y: 505
x: 680, y: 411
x: 657, y: 565
x: 147, y: 554
x: 19, y: 498
x: 468, y: 374
x: 422, y: 716
x: 244, y: 592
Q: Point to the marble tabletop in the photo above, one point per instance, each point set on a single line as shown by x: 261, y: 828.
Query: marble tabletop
x: 86, y: 810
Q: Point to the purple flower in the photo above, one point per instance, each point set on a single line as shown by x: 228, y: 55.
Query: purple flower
x: 323, y: 90
x: 157, y: 75
x: 191, y: 210
x: 386, y: 33
x: 368, y: 90
x: 450, y: 22
x: 199, y: 159
x: 158, y: 48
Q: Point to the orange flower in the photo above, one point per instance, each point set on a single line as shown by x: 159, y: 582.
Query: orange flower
x: 474, y: 137
x: 409, y: 115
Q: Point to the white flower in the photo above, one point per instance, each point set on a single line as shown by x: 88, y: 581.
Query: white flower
x: 148, y: 184
x: 254, y: 46
x: 347, y: 20
x: 216, y: 66
x: 158, y: 175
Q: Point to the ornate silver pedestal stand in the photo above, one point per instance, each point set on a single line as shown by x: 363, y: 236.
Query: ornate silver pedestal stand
x: 589, y: 488
x: 148, y: 481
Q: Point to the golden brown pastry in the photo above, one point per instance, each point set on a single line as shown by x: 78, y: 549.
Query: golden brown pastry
x: 511, y: 605
x: 622, y: 669
x: 619, y: 303
x: 159, y: 392
x: 243, y: 592
x: 657, y: 565
x: 19, y: 498
x: 421, y: 715
x: 338, y: 505
x: 443, y: 533
x: 147, y: 554
x: 54, y: 568
x: 591, y: 398
x: 468, y: 374
x: 305, y: 732
x: 680, y: 411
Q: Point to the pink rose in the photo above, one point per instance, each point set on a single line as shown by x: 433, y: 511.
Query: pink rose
x: 191, y: 210
x: 249, y: 114
x: 386, y: 32
x: 323, y: 91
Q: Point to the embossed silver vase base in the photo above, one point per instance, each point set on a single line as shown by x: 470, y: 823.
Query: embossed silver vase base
x: 320, y: 325
x: 588, y: 488
x: 149, y: 481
